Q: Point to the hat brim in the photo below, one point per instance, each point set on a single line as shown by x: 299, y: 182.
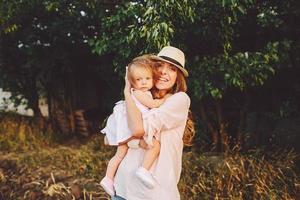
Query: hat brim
x: 184, y: 71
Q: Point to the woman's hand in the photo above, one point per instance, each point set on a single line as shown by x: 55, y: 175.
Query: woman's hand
x: 127, y: 83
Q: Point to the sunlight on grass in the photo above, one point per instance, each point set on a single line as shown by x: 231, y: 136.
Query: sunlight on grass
x: 44, y: 170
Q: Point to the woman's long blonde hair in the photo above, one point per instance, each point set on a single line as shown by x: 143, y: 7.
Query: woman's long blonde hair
x: 180, y: 86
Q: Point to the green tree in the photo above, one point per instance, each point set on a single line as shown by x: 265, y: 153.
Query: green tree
x: 43, y: 43
x: 214, y: 35
x: 231, y: 46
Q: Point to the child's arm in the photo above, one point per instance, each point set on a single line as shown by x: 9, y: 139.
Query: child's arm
x: 146, y: 100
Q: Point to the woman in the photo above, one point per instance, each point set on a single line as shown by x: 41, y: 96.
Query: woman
x: 168, y: 122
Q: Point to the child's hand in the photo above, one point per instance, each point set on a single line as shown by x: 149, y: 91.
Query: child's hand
x: 143, y: 144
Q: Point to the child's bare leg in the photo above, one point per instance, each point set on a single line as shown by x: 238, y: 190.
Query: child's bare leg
x: 114, y: 162
x: 151, y: 154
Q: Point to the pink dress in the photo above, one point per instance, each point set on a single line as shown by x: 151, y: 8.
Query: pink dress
x: 168, y: 122
x: 116, y: 128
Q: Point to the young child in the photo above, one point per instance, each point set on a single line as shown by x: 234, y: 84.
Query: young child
x: 140, y: 75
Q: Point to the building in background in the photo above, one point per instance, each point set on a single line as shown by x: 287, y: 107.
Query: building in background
x: 7, y: 105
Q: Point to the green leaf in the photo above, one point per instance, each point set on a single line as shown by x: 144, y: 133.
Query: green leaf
x: 242, y: 9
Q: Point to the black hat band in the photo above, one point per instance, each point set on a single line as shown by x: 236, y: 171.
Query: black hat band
x: 171, y: 60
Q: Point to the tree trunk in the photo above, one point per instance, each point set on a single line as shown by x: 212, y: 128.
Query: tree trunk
x: 57, y: 105
x: 212, y: 130
x: 61, y: 103
x: 36, y: 109
x: 33, y: 96
x: 242, y: 123
x: 222, y: 125
x: 240, y: 134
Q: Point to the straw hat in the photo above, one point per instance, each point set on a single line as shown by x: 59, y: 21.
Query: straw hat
x: 173, y: 56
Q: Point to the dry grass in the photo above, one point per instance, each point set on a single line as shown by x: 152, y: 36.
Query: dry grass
x: 255, y: 175
x: 54, y: 173
x: 21, y: 133
x: 32, y: 169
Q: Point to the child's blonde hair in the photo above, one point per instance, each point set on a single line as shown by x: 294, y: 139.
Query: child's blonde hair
x: 142, y: 62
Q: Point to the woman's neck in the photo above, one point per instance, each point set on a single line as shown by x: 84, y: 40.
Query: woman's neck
x: 162, y: 93
x: 158, y: 94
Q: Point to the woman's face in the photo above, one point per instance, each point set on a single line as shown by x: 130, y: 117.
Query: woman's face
x: 167, y: 76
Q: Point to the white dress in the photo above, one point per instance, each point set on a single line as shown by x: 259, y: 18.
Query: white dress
x: 116, y: 128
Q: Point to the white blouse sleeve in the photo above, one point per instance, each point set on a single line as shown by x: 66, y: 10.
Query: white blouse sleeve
x: 169, y: 115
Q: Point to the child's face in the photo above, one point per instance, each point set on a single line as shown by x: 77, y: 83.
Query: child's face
x: 142, y: 79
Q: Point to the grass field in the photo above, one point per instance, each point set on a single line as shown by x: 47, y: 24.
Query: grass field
x: 33, y: 165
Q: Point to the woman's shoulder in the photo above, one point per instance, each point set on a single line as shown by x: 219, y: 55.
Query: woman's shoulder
x: 181, y: 97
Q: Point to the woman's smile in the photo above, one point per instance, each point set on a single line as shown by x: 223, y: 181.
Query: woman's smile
x: 163, y: 79
x: 167, y: 78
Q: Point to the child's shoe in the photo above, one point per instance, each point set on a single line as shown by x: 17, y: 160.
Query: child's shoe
x: 145, y: 177
x: 108, y: 186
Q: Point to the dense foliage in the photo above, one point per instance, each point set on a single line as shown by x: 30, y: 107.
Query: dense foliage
x: 232, y: 47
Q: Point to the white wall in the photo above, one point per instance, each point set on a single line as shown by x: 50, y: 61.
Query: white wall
x: 9, y: 106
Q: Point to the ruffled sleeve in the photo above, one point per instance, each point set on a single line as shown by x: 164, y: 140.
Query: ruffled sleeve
x: 168, y: 116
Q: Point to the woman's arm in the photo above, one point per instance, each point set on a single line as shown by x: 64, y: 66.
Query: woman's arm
x: 134, y: 116
x: 146, y: 100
